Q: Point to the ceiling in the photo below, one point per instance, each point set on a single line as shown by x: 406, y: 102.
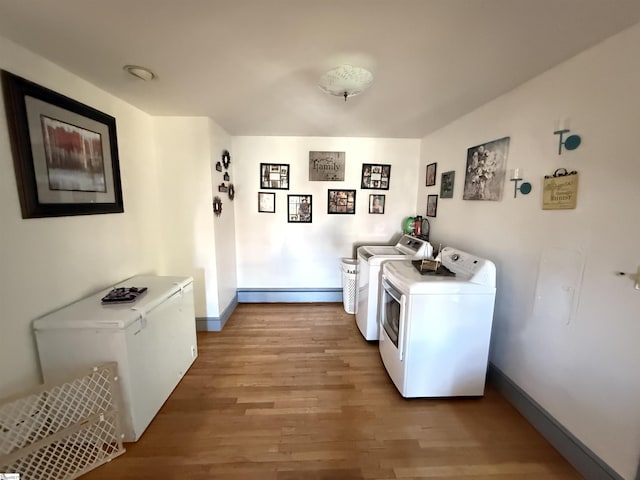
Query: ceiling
x: 253, y: 65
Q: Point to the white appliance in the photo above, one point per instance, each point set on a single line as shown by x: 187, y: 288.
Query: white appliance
x: 153, y: 340
x: 370, y: 259
x: 435, y: 330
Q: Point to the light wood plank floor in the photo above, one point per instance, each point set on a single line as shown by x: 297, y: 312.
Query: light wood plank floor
x: 292, y: 391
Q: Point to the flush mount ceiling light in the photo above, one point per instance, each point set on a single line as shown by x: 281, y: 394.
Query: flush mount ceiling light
x: 141, y: 73
x: 345, y: 81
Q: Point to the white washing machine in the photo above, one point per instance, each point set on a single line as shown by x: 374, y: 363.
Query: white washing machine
x: 370, y: 258
x: 434, y: 329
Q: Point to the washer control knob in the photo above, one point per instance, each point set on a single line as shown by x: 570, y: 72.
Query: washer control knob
x: 455, y: 257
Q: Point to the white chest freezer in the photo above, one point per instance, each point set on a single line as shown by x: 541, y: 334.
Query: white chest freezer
x: 153, y: 340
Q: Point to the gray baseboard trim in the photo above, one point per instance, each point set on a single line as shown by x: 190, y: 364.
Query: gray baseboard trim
x: 577, y: 453
x: 289, y: 295
x: 216, y: 324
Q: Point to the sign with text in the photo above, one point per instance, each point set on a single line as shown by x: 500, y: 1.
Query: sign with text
x: 326, y: 166
x: 560, y: 191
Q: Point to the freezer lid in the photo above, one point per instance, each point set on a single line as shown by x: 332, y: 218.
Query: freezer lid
x: 91, y: 313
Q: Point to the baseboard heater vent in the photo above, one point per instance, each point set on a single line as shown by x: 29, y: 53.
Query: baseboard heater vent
x: 63, y: 430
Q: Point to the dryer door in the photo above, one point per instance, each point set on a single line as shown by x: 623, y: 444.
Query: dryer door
x: 391, y: 311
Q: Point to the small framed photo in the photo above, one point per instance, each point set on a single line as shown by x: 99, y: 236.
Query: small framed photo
x: 274, y: 176
x: 432, y: 205
x: 431, y: 174
x: 299, y: 208
x: 376, y: 203
x: 375, y: 176
x: 446, y: 184
x: 266, y: 202
x: 341, y: 202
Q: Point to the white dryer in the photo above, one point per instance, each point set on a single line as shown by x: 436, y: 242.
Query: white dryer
x: 435, y: 329
x: 370, y: 259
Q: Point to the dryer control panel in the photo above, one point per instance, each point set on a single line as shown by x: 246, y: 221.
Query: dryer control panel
x: 415, y: 246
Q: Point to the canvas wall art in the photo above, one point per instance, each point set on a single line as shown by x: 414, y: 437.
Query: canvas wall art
x: 485, y: 172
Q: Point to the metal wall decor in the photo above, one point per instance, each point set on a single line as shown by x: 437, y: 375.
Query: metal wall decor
x: 223, y: 187
x: 326, y: 166
x: 226, y: 176
x: 570, y: 143
x: 231, y: 191
x: 226, y: 159
x: 218, y: 167
x: 217, y: 206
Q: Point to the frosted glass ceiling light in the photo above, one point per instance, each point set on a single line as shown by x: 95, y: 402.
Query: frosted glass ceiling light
x: 345, y: 81
x: 139, y: 72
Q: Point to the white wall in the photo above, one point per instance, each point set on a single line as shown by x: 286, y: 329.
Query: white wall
x: 224, y: 225
x: 48, y: 263
x: 275, y: 254
x: 577, y: 356
x: 186, y: 232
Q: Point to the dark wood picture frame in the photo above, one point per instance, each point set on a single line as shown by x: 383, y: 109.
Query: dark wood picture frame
x: 431, y: 174
x: 274, y: 176
x: 341, y: 202
x: 72, y: 168
x: 375, y: 176
x: 266, y: 202
x: 379, y: 207
x: 432, y: 205
x: 299, y: 208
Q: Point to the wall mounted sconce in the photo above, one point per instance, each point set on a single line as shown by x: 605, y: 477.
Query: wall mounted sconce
x: 516, y: 176
x: 570, y: 143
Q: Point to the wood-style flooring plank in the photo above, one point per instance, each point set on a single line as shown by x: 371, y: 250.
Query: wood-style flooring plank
x: 293, y: 391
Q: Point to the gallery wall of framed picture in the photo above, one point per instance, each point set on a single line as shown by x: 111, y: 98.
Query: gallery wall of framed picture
x: 376, y: 203
x: 432, y: 205
x: 341, y: 202
x: 431, y: 174
x: 266, y: 202
x: 375, y: 176
x: 299, y: 208
x: 274, y: 176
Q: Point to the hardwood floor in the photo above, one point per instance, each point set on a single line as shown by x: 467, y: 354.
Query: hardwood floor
x: 293, y: 391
